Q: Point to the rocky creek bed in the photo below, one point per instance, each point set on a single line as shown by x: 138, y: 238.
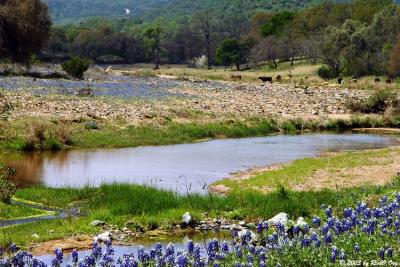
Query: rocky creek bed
x: 137, y: 99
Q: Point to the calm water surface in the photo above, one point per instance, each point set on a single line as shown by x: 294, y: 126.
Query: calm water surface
x: 178, y: 167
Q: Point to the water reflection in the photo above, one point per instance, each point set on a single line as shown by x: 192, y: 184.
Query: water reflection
x: 187, y: 167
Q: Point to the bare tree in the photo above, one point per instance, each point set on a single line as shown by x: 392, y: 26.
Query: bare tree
x: 203, y: 24
x: 268, y: 49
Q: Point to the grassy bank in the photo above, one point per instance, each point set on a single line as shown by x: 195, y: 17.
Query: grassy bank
x: 312, y: 172
x: 117, y: 204
x: 39, y: 134
x: 8, y: 212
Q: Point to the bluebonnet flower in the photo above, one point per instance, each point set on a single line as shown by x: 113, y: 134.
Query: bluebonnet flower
x: 381, y: 253
x: 13, y: 248
x: 328, y: 211
x: 190, y: 246
x: 316, y: 221
x: 389, y: 252
x: 342, y: 255
x: 74, y: 257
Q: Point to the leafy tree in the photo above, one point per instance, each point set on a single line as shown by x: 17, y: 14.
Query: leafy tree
x: 365, y: 10
x: 277, y: 23
x: 230, y: 52
x: 76, y: 67
x: 153, y: 38
x: 24, y: 28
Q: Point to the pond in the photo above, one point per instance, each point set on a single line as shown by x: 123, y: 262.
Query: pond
x: 181, y: 168
x: 179, y: 243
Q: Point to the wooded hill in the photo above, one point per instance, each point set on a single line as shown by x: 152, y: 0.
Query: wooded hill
x: 69, y: 11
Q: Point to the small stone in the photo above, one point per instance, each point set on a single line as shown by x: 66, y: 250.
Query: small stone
x: 97, y: 223
x: 36, y: 236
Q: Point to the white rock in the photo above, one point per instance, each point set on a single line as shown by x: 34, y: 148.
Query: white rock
x: 36, y: 236
x: 186, y: 218
x: 281, y: 218
x: 104, y: 237
x: 301, y: 222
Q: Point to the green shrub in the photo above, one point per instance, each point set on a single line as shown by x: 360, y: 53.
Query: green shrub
x: 76, y: 67
x: 379, y: 102
x: 7, y: 188
x: 91, y: 125
x: 326, y: 73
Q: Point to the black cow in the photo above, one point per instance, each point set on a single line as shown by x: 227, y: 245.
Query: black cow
x: 266, y: 79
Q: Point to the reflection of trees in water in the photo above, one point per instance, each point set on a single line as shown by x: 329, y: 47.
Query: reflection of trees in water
x: 29, y: 166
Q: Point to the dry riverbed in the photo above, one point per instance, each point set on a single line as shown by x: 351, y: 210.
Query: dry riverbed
x: 185, y: 101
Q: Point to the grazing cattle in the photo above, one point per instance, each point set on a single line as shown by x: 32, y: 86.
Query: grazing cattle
x: 340, y: 80
x: 236, y: 77
x: 279, y: 78
x: 389, y: 80
x: 266, y: 79
x: 354, y: 81
x: 377, y: 80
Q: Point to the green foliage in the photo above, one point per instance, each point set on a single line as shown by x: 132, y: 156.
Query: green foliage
x: 7, y: 188
x: 24, y: 29
x: 326, y: 73
x: 76, y: 67
x: 277, y: 24
x: 379, y: 102
x: 91, y: 125
x: 230, y: 52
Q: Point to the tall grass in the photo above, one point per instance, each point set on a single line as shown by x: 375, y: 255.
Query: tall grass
x: 135, y: 200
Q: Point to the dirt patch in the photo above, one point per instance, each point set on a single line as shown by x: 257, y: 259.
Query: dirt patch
x: 379, y: 172
x: 67, y: 245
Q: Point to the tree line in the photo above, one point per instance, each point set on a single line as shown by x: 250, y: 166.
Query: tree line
x: 355, y: 38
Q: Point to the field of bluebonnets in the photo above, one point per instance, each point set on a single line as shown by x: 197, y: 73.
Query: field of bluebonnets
x: 358, y: 236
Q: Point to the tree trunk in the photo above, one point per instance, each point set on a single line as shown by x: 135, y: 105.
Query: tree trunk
x: 275, y: 64
x: 156, y: 59
x: 208, y: 44
x: 237, y: 66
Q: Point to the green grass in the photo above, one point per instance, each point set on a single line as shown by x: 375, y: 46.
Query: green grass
x: 171, y: 133
x: 118, y: 203
x: 297, y: 171
x: 8, y: 212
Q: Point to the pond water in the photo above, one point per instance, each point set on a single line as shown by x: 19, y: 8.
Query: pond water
x: 182, y: 168
x: 179, y: 242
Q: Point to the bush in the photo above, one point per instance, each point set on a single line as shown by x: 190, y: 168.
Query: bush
x: 76, y: 67
x: 7, y: 188
x: 91, y: 125
x: 326, y: 73
x: 379, y: 102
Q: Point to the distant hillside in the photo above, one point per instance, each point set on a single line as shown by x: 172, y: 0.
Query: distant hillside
x: 72, y: 10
